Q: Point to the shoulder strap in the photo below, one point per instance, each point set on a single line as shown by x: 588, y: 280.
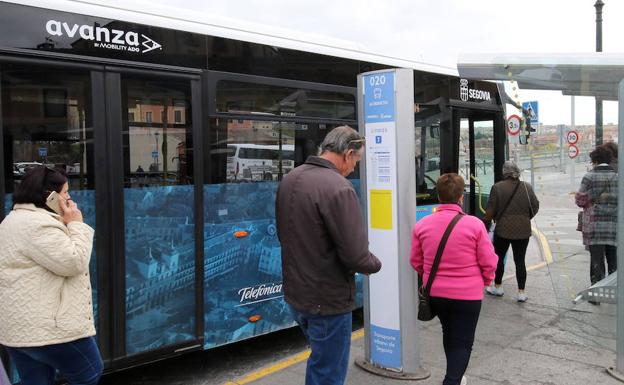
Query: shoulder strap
x: 498, y: 217
x: 436, y: 262
x: 531, y: 212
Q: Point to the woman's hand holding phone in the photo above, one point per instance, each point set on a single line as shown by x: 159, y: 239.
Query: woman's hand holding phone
x: 70, y: 211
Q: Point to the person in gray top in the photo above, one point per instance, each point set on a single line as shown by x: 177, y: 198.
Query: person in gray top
x: 512, y: 205
x: 324, y: 243
x: 598, y: 196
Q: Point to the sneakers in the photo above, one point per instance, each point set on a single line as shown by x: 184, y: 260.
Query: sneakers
x: 493, y: 290
x: 464, y: 381
x: 522, y: 297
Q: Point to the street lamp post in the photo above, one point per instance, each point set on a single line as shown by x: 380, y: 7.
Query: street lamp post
x: 599, y: 4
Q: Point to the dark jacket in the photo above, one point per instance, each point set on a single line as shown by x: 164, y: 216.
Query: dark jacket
x: 324, y: 241
x: 515, y: 222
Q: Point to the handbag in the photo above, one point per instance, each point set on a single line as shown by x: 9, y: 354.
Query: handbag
x: 582, y: 200
x: 579, y: 224
x: 492, y: 231
x: 425, y: 311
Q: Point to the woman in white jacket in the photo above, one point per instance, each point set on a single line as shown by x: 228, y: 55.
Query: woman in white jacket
x: 46, y: 316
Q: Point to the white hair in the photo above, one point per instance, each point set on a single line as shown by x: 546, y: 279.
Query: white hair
x: 511, y: 170
x: 340, y: 140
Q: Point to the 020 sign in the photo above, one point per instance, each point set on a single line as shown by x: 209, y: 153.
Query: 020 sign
x: 377, y: 80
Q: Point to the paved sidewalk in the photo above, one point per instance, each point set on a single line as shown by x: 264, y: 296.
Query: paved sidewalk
x: 548, y: 340
x: 532, y: 343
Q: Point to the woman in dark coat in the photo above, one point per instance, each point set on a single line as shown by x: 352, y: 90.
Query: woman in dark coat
x: 512, y: 205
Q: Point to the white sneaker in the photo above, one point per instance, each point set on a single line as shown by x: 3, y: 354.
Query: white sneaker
x: 493, y: 290
x: 464, y: 381
x: 522, y: 297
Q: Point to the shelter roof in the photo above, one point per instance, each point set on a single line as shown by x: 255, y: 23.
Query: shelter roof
x: 585, y: 74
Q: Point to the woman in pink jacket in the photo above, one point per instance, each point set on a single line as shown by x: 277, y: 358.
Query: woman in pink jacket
x: 467, y: 265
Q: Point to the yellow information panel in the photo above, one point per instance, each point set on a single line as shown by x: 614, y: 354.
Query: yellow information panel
x: 381, y: 209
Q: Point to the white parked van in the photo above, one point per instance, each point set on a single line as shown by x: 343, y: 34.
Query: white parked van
x: 248, y: 161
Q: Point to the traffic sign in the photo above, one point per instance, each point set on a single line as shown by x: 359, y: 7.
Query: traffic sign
x: 573, y: 151
x: 572, y: 137
x: 533, y: 112
x: 43, y: 151
x: 513, y: 125
x: 154, y: 154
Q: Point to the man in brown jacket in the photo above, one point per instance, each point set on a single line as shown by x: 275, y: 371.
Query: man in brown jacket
x: 324, y: 243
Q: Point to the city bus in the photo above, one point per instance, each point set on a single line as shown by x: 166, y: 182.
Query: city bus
x: 147, y: 111
x: 250, y: 161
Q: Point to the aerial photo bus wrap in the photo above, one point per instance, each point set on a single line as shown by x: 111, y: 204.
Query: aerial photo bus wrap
x: 175, y: 135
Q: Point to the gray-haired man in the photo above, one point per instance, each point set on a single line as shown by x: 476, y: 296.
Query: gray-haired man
x: 324, y: 243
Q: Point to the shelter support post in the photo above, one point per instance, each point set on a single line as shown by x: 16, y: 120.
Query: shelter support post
x: 599, y: 129
x: 599, y: 4
x: 620, y: 242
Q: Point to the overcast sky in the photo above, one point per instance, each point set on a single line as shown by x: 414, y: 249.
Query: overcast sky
x: 437, y: 31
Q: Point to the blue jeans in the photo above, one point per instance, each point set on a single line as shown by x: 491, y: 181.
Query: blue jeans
x: 79, y: 362
x: 329, y: 337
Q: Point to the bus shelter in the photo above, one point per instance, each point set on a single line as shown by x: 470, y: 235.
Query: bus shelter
x: 596, y: 74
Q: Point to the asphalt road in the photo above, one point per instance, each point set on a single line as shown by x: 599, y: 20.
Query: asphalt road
x: 219, y: 365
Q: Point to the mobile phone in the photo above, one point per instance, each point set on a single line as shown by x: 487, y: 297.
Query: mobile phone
x: 53, y: 202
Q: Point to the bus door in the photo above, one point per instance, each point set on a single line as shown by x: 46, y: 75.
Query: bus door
x: 479, y: 154
x: 158, y: 271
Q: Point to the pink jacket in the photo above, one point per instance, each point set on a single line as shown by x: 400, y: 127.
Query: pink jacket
x: 468, y: 262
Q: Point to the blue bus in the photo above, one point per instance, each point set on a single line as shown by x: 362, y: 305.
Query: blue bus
x: 143, y: 110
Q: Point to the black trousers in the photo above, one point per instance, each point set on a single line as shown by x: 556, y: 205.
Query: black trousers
x: 459, y: 322
x: 519, y: 247
x: 598, y: 254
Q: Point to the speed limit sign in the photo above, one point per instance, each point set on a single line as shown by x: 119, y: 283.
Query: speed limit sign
x: 513, y: 125
x: 572, y: 137
x: 573, y: 151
